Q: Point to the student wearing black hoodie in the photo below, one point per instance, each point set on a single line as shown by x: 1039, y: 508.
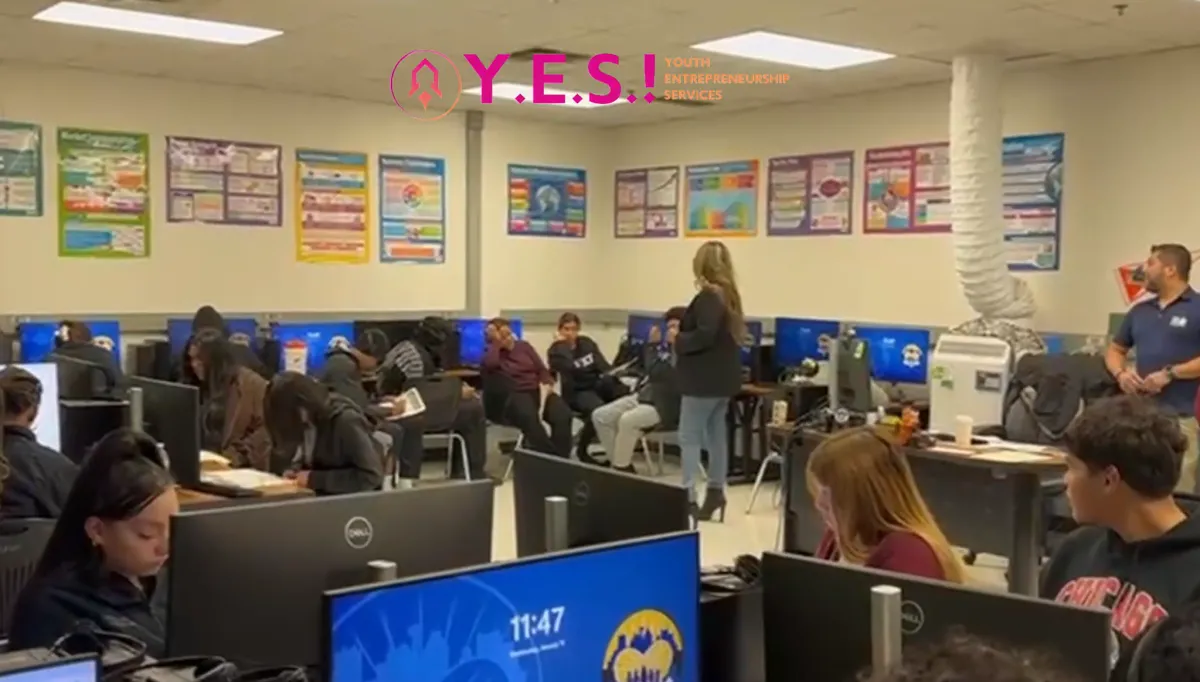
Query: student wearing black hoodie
x: 207, y: 317
x: 324, y: 436
x: 74, y: 340
x: 39, y: 478
x: 584, y: 380
x: 1138, y: 553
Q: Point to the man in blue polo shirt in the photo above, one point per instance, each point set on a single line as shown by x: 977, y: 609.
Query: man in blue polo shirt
x: 1165, y: 331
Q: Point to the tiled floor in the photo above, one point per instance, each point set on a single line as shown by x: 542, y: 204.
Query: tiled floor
x: 741, y: 533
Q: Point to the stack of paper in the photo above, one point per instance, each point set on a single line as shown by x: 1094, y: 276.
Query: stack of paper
x: 244, y: 478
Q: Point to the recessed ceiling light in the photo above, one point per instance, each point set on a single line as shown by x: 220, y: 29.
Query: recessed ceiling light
x: 781, y: 49
x: 146, y: 23
x: 509, y: 91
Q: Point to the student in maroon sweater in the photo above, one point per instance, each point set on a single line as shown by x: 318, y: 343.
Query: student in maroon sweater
x: 531, y: 398
x: 875, y: 515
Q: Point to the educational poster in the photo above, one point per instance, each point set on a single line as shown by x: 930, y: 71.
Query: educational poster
x: 20, y: 169
x: 1033, y: 171
x: 547, y: 202
x: 412, y: 209
x: 103, y: 194
x: 809, y: 195
x: 647, y: 202
x: 224, y: 183
x: 332, y: 207
x: 722, y: 199
x: 907, y: 189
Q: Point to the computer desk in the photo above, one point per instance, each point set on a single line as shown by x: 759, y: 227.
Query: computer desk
x: 748, y: 431
x: 194, y: 498
x: 984, y: 505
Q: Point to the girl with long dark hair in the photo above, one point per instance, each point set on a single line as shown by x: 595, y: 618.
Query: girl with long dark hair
x: 323, y: 438
x: 231, y: 401
x: 99, y: 568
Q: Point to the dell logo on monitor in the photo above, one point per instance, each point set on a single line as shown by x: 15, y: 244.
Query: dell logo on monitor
x: 912, y: 617
x: 359, y: 532
x: 581, y: 494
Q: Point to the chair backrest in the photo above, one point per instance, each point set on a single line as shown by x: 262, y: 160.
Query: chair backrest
x: 442, y: 397
x: 21, y: 545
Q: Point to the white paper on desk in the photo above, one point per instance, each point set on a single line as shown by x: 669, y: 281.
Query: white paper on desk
x: 243, y: 478
x: 208, y: 457
x: 1012, y: 457
x: 414, y: 404
x: 1025, y: 447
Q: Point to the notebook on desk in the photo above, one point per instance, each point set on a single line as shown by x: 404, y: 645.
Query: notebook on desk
x: 251, y: 479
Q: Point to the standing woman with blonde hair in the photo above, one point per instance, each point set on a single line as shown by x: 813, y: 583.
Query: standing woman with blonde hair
x: 708, y: 348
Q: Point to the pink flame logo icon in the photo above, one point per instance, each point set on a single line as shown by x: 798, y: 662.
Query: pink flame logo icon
x: 446, y: 84
x: 416, y: 83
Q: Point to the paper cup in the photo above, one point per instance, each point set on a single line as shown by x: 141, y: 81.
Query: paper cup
x: 963, y: 426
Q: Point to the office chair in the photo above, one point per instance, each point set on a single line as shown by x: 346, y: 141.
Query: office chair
x: 773, y: 458
x: 21, y: 545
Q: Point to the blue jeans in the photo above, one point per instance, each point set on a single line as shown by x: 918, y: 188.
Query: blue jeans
x: 702, y: 426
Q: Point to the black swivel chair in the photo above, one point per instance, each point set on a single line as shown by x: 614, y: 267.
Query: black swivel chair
x: 442, y: 398
x: 21, y: 545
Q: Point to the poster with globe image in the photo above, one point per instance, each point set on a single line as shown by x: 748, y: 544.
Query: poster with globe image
x: 1033, y: 171
x: 722, y: 199
x: 412, y: 209
x: 545, y: 201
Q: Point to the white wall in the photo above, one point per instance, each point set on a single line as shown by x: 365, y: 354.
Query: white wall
x: 1130, y: 178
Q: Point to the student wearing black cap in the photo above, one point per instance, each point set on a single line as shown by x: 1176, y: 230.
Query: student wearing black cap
x: 207, y: 317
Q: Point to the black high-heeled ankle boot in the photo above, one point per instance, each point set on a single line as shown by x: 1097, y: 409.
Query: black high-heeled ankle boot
x: 714, y: 503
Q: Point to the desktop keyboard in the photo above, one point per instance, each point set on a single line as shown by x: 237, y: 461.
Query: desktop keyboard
x: 223, y: 489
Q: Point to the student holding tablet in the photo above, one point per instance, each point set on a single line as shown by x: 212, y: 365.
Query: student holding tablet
x: 99, y: 568
x: 39, y: 478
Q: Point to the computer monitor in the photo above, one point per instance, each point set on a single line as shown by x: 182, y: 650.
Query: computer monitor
x: 37, y: 338
x: 817, y: 619
x: 754, y: 335
x: 242, y: 329
x: 81, y: 380
x: 899, y: 355
x: 246, y: 581
x: 604, y: 505
x: 172, y: 417
x: 618, y: 613
x: 319, y: 337
x: 471, y: 341
x: 853, y: 370
x: 72, y: 669
x: 47, y: 425
x: 638, y: 326
x: 798, y: 339
x: 1055, y: 343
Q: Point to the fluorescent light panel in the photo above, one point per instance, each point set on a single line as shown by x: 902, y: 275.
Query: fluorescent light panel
x: 146, y: 23
x: 781, y: 49
x: 502, y: 92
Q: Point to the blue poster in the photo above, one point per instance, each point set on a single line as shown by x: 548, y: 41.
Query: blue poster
x: 899, y: 355
x: 242, y: 330
x: 37, y: 338
x: 722, y: 199
x: 20, y: 169
x: 1033, y: 182
x: 412, y: 209
x: 626, y: 613
x: 316, y: 339
x: 547, y: 202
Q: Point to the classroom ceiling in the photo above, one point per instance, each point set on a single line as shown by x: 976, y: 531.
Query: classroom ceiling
x: 347, y: 48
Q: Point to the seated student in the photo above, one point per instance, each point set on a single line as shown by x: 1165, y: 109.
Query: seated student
x: 74, y: 340
x: 416, y: 359
x: 531, y: 399
x: 231, y: 401
x: 1139, y: 553
x: 327, y: 437
x: 873, y: 512
x: 582, y: 371
x: 38, y: 478
x: 960, y: 657
x: 622, y: 422
x: 1170, y: 651
x: 207, y: 317
x: 98, y: 569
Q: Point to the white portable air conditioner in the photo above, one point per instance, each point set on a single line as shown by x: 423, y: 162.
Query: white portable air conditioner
x: 968, y: 376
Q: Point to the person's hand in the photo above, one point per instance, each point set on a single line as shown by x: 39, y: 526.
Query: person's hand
x: 507, y: 340
x: 491, y: 333
x: 559, y: 336
x: 302, y: 478
x: 655, y: 335
x: 1130, y: 382
x: 399, y: 404
x: 672, y: 332
x: 1156, y: 382
x: 468, y: 391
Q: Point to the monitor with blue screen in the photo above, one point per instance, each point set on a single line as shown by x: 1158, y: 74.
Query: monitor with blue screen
x: 62, y: 670
x: 318, y: 336
x: 638, y: 327
x: 46, y: 426
x: 1055, y: 343
x: 797, y: 339
x: 529, y: 620
x: 179, y: 330
x: 472, y: 340
x: 37, y: 338
x: 754, y: 332
x: 899, y: 355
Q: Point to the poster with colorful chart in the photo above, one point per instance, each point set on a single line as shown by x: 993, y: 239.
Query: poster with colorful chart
x: 103, y: 194
x: 908, y: 189
x: 647, y: 203
x: 547, y: 202
x: 808, y: 195
x: 722, y: 199
x: 1033, y: 182
x: 220, y: 182
x: 332, y: 207
x: 20, y: 169
x: 412, y: 209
